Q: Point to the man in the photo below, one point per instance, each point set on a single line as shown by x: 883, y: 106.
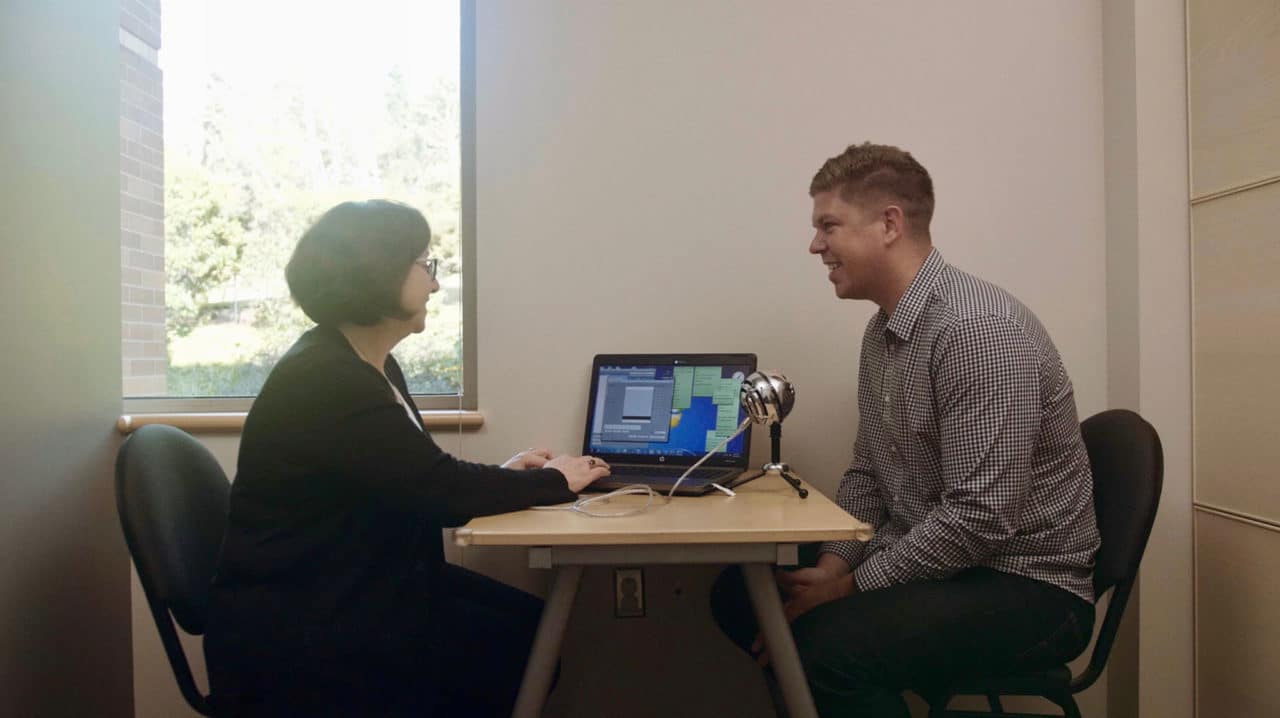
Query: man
x: 968, y: 462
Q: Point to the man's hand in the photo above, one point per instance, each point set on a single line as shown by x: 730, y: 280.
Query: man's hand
x: 794, y: 583
x: 805, y: 597
x: 829, y: 568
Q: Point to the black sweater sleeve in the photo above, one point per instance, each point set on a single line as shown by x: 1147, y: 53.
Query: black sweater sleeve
x: 405, y: 468
x: 331, y: 412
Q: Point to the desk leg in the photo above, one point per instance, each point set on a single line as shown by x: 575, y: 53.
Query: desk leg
x: 546, y: 643
x: 778, y: 639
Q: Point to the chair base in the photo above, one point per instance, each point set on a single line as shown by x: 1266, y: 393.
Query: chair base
x: 945, y: 713
x: 938, y: 707
x: 1052, y: 685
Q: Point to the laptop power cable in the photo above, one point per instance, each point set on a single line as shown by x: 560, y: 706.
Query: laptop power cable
x: 585, y: 506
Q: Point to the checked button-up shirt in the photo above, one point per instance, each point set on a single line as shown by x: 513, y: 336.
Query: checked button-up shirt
x: 968, y: 450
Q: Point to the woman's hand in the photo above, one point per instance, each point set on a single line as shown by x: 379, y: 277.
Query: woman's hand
x: 528, y: 459
x: 579, y: 471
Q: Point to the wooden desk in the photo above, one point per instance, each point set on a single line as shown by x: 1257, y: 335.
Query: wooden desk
x: 760, y: 527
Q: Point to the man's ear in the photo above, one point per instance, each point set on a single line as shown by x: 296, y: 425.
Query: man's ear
x: 895, y: 223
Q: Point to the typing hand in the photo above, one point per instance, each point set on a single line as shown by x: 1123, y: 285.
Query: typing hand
x: 528, y: 459
x: 579, y: 471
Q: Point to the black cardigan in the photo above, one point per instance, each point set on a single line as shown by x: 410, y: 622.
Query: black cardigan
x: 334, y: 533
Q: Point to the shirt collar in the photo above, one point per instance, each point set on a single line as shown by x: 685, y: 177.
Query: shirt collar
x: 916, y: 298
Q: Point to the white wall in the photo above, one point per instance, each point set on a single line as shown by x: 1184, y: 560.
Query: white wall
x: 64, y: 591
x: 1149, y: 339
x: 642, y: 186
x: 643, y: 170
x: 643, y: 174
x: 1165, y: 629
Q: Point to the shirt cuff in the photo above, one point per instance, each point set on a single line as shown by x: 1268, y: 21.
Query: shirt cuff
x: 850, y: 551
x: 871, y: 575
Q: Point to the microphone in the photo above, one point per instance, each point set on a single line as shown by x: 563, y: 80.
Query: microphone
x: 768, y: 398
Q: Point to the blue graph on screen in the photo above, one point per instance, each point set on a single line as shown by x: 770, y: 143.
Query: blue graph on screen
x: 666, y: 411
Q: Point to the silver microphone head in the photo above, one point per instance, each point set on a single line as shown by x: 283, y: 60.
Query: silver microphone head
x: 767, y: 396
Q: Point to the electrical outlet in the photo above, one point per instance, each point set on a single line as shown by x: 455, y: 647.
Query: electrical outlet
x: 628, y: 592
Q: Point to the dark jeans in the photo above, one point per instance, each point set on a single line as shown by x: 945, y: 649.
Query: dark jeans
x: 484, y: 634
x: 860, y: 652
x: 466, y: 660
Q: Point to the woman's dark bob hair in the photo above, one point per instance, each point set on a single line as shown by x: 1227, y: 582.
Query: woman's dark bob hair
x: 349, y: 266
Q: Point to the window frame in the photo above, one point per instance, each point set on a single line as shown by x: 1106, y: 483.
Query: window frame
x: 468, y: 400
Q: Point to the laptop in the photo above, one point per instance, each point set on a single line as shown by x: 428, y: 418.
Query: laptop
x: 652, y: 416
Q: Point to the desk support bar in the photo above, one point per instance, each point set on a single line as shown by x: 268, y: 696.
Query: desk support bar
x: 546, y: 643
x: 777, y: 638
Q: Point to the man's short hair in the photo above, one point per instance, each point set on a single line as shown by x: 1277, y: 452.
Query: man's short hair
x: 350, y: 265
x: 868, y: 173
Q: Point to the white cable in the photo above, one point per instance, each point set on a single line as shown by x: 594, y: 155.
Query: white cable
x: 741, y: 428
x: 583, y: 505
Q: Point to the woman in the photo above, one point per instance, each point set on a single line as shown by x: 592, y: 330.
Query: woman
x: 332, y: 595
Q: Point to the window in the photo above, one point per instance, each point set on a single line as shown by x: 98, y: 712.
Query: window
x: 242, y: 121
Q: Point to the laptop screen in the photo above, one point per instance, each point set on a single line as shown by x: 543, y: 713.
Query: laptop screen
x: 667, y: 409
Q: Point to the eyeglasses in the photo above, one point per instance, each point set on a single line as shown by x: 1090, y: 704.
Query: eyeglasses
x: 431, y: 264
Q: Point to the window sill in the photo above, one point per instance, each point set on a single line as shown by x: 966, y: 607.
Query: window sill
x: 231, y: 422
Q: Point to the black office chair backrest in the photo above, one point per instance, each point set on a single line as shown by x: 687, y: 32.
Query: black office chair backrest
x: 1128, y: 473
x: 172, y: 498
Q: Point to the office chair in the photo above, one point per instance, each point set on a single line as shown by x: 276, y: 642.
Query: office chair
x: 1128, y: 471
x: 172, y: 498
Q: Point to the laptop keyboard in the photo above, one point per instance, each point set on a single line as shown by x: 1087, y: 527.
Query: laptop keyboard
x: 666, y: 472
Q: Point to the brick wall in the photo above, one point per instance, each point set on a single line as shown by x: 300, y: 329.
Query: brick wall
x: 141, y: 200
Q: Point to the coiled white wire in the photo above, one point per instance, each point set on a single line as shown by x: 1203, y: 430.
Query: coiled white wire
x: 583, y: 505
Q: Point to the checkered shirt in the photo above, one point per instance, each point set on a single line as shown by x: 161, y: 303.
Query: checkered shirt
x: 968, y: 450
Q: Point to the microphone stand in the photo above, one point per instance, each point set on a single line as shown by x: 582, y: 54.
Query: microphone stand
x: 775, y: 465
